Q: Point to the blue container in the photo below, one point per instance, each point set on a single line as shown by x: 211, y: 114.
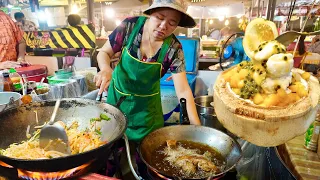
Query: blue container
x: 169, y: 99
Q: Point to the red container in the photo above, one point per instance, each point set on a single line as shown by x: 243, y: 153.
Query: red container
x: 34, y: 72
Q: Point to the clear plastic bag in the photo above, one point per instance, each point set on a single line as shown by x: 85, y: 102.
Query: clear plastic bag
x: 35, y: 97
x: 252, y: 165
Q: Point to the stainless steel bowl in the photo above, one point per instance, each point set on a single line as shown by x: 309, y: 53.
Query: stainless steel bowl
x: 9, y: 100
x: 206, y: 112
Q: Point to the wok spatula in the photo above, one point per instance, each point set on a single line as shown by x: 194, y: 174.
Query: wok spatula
x: 53, y: 136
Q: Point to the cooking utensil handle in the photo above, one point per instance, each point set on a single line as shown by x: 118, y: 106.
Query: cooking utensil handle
x: 129, y: 157
x: 99, y: 97
x: 184, y: 113
x: 122, y: 98
x: 55, y: 110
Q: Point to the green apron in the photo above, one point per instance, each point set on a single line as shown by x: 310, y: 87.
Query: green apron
x: 140, y: 82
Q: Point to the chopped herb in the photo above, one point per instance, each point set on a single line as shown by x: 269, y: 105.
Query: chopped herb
x: 98, y: 132
x: 94, y: 119
x: 104, y: 117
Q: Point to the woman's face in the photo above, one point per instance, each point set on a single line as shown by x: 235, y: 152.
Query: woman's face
x: 163, y: 22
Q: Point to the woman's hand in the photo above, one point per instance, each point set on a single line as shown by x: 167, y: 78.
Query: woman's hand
x: 103, y: 79
x: 9, y: 64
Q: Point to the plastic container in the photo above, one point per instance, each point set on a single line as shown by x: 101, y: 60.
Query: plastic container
x: 89, y: 74
x: 62, y: 74
x: 15, y: 78
x: 33, y: 72
x: 7, y: 85
x: 52, y: 80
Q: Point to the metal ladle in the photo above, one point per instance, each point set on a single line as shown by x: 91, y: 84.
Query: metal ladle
x: 53, y: 136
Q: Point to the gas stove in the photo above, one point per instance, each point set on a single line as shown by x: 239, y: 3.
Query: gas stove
x: 8, y: 172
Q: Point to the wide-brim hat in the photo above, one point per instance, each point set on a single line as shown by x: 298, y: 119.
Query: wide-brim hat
x: 179, y: 5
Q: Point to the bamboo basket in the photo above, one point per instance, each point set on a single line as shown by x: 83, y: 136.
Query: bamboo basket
x: 263, y: 126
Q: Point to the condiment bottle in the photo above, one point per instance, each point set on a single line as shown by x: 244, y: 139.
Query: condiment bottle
x: 15, y: 78
x: 312, y: 144
x: 7, y: 85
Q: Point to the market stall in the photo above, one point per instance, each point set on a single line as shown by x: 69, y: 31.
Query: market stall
x: 250, y: 129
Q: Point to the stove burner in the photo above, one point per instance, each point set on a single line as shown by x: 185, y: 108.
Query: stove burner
x: 13, y: 173
x: 29, y: 175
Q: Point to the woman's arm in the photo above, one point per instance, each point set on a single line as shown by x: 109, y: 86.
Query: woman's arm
x: 183, y: 91
x: 104, y: 56
x: 103, y: 78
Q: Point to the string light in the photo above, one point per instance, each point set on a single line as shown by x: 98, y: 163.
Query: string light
x: 221, y: 18
x: 196, y: 1
x: 226, y: 22
x: 239, y: 16
x: 118, y: 22
x: 74, y: 9
x: 110, y: 13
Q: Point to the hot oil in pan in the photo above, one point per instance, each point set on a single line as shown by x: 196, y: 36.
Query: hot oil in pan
x: 165, y: 160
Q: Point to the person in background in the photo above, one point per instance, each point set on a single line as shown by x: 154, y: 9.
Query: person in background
x: 315, y: 45
x: 24, y: 24
x: 74, y: 20
x: 12, y: 44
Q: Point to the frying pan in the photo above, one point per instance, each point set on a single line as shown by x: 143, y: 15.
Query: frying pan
x: 223, y: 143
x: 227, y: 146
x: 14, y: 123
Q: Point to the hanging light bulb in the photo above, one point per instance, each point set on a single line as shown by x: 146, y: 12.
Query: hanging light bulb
x: 226, y: 22
x: 207, y: 20
x: 110, y: 13
x: 239, y: 16
x: 221, y: 18
x: 211, y: 21
x: 74, y: 9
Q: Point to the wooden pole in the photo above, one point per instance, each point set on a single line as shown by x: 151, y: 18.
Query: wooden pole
x: 90, y: 11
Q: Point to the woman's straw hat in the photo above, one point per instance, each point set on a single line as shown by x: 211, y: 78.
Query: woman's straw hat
x: 179, y: 5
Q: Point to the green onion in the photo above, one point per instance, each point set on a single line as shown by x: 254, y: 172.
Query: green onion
x: 94, y: 119
x: 98, y: 132
x: 104, y: 117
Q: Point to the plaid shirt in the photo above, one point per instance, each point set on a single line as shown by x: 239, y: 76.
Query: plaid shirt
x: 173, y: 61
x: 10, y: 36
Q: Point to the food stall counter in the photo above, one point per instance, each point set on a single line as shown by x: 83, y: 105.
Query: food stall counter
x: 304, y: 164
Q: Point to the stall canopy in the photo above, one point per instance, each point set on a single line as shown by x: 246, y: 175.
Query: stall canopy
x: 206, y: 12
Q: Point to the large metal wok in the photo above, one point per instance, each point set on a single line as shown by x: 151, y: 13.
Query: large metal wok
x: 14, y: 123
x: 227, y: 146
